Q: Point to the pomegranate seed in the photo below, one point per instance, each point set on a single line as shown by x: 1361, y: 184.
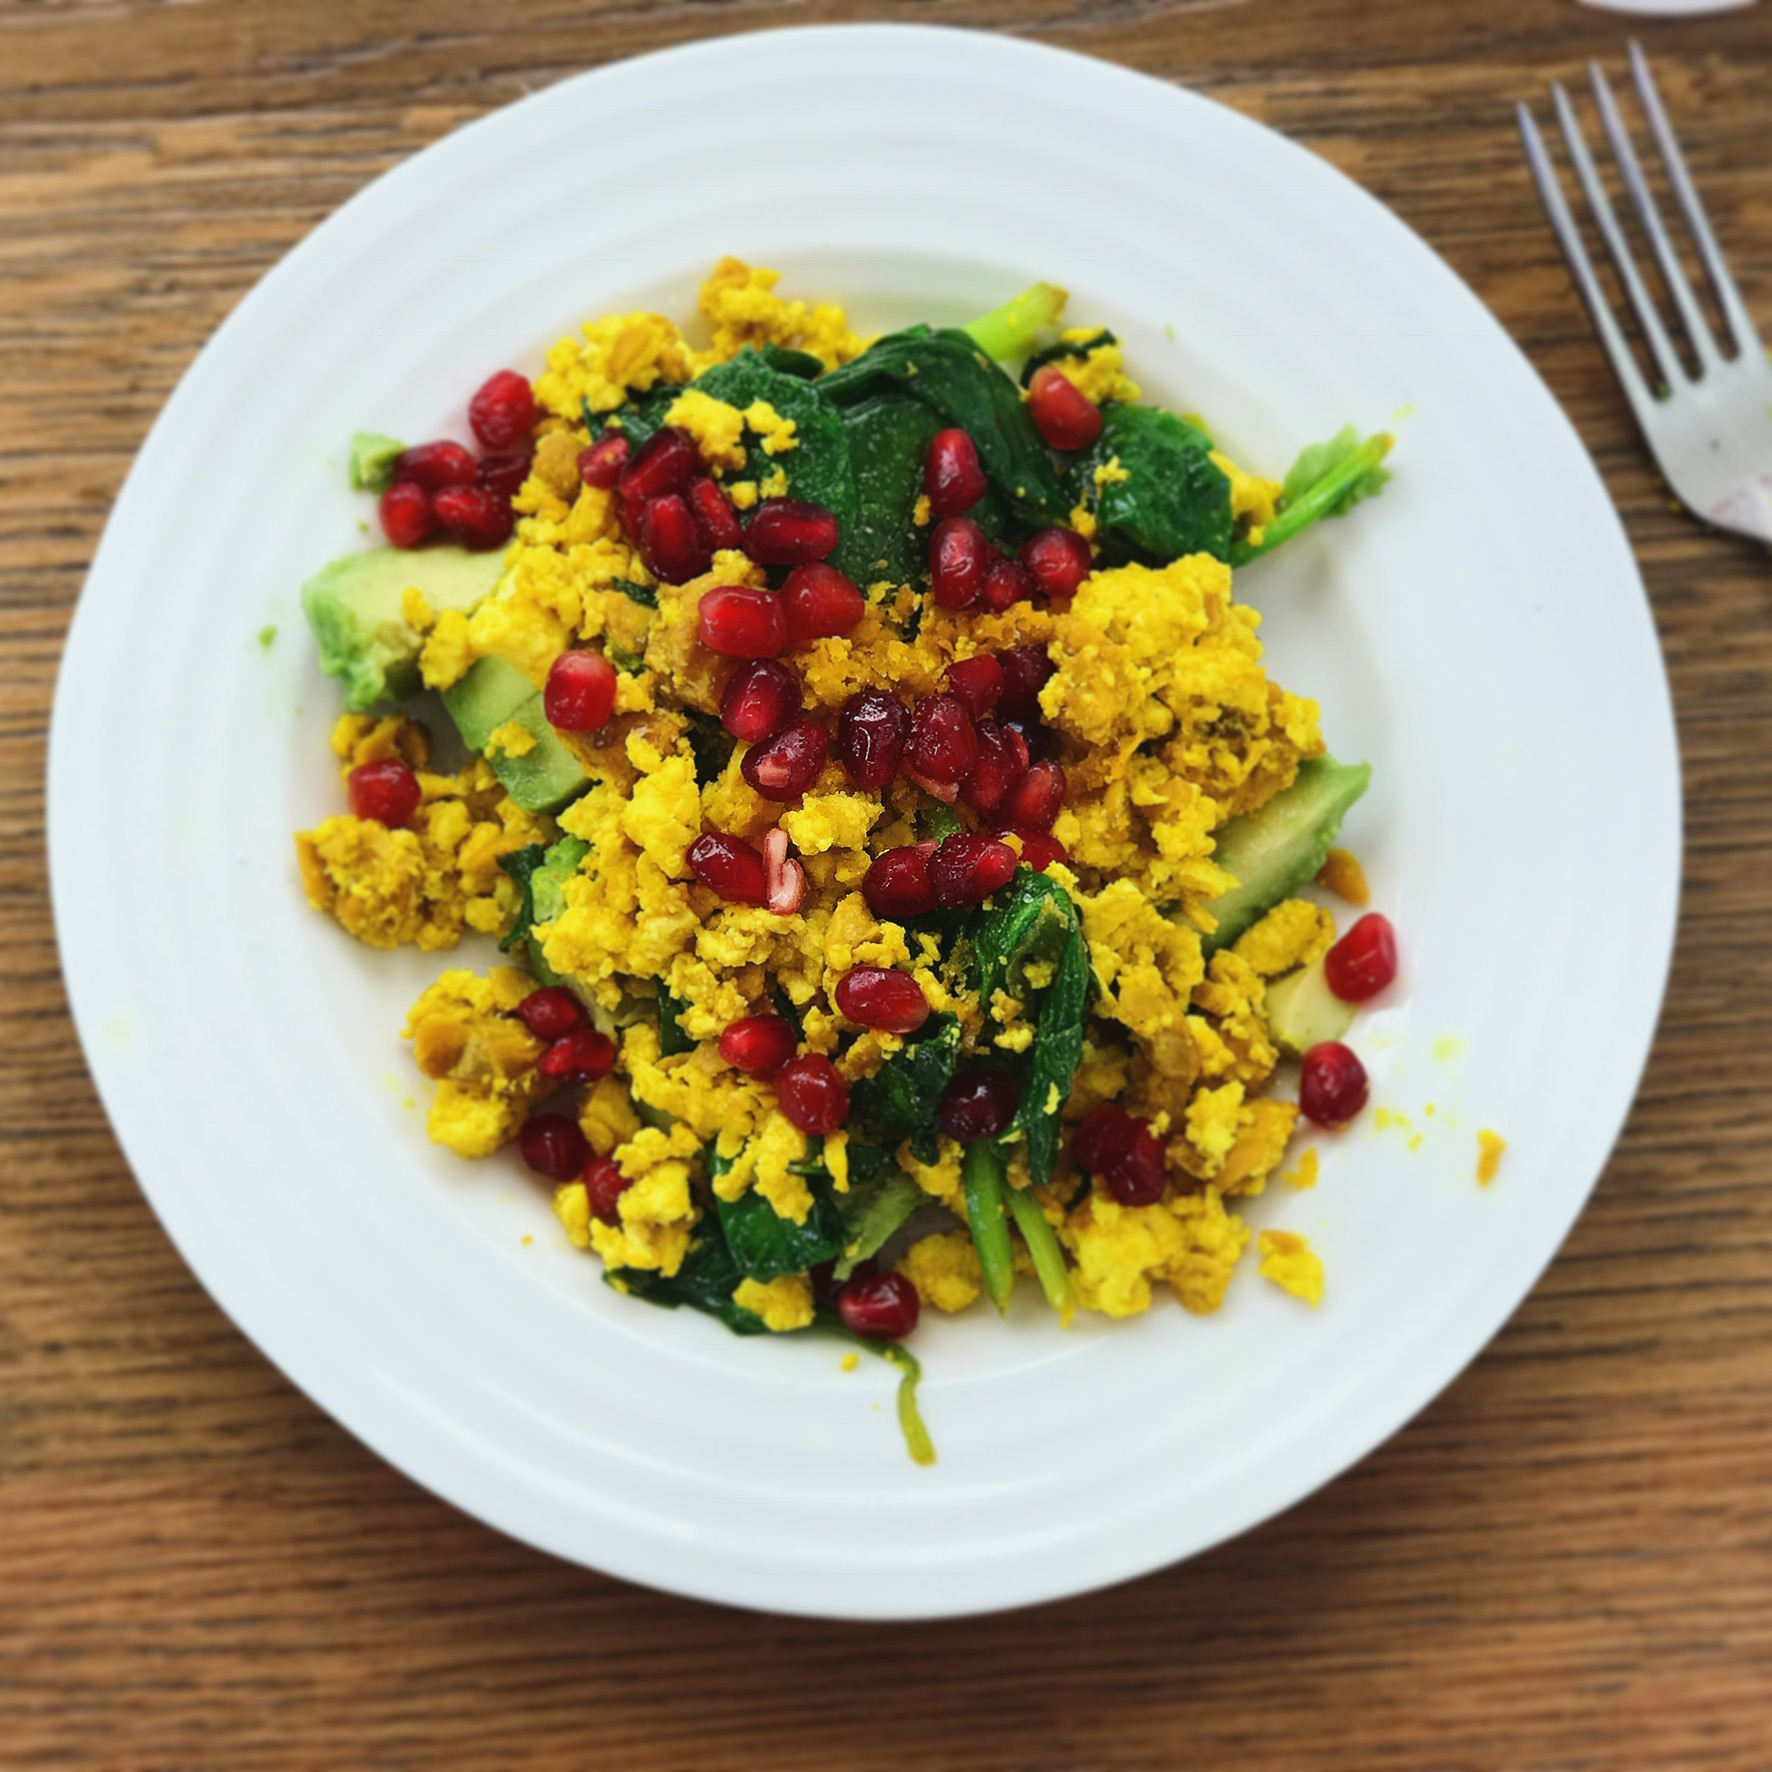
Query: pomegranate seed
x: 978, y: 682
x: 1058, y: 561
x: 407, y: 519
x: 951, y: 474
x: 632, y: 510
x: 436, y: 465
x: 742, y: 622
x: 1025, y: 672
x: 790, y: 532
x: 785, y: 766
x: 759, y: 1045
x: 784, y: 881
x: 580, y: 692
x: 1364, y: 961
x: 878, y: 1307
x: 671, y: 540
x: 605, y: 1184
x: 584, y: 1057
x: 552, y: 1145
x: 1103, y: 1134
x: 1036, y: 800
x: 761, y: 697
x: 1040, y: 740
x: 478, y: 519
x: 977, y: 1104
x: 872, y: 731
x: 503, y: 475
x: 878, y: 997
x: 665, y: 463
x: 1136, y: 1173
x: 1002, y: 764
x: 968, y: 868
x: 503, y: 411
x: 943, y: 745
x: 1006, y: 583
x: 812, y: 1094
x: 958, y: 558
x: 715, y: 520
x: 896, y: 885
x: 602, y: 463
x: 1064, y: 415
x: 730, y: 866
x: 1040, y: 849
x: 552, y: 1012
x: 387, y: 791
x: 821, y: 603
x: 1331, y: 1084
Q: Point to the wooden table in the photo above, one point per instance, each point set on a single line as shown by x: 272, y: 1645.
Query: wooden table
x: 1566, y: 1562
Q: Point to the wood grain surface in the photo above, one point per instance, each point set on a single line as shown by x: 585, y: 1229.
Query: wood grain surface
x: 1566, y: 1562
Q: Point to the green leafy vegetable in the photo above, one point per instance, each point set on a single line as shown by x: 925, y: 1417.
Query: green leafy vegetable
x: 372, y: 461
x: 1174, y: 499
x: 1053, y: 1058
x: 900, y: 1099
x: 542, y: 874
x: 710, y: 744
x: 765, y: 1245
x: 1030, y: 919
x: 1042, y: 1245
x: 644, y: 595
x: 1009, y: 331
x: 1327, y: 480
x: 1058, y: 352
x: 705, y: 1282
x: 937, y: 821
x: 984, y: 1176
x: 888, y: 437
x: 800, y: 364
x: 671, y: 1038
x: 875, y: 1210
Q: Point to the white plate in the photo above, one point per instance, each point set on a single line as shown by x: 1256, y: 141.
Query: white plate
x: 1480, y: 634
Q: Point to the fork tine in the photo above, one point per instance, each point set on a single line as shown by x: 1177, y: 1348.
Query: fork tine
x: 1649, y: 213
x: 1550, y: 192
x: 1741, y: 324
x: 1667, y: 359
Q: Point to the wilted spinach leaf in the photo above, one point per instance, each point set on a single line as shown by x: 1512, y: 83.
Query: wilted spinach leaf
x: 644, y: 595
x: 1174, y: 499
x: 801, y: 364
x: 671, y: 1037
x: 1029, y: 920
x: 765, y: 1245
x: 1053, y: 1058
x: 888, y: 437
x: 705, y: 1282
x: 1059, y: 352
x: 900, y: 1099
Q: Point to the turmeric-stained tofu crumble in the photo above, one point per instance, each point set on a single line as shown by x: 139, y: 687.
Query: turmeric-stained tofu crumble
x: 894, y: 837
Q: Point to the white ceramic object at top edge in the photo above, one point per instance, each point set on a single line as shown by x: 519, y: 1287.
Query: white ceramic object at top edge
x: 1480, y: 634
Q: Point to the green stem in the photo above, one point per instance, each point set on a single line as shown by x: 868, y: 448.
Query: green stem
x: 1048, y: 1258
x: 983, y: 1174
x: 1317, y: 502
x: 1009, y: 331
x: 910, y: 1374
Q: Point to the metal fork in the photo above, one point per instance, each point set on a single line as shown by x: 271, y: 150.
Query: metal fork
x: 1711, y: 432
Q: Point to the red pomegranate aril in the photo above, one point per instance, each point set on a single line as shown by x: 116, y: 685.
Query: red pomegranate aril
x: 943, y: 745
x: 1040, y: 849
x: 977, y: 1104
x: 407, y: 519
x: 742, y: 622
x: 878, y: 997
x: 784, y: 879
x: 604, y: 1186
x: 812, y: 1093
x: 602, y: 463
x: 584, y: 1057
x: 872, y: 732
x: 785, y: 766
x: 1364, y: 961
x: 503, y: 411
x: 1006, y: 583
x: 759, y: 1045
x: 714, y: 516
x: 760, y: 698
x: 1103, y: 1134
x: 967, y: 868
x: 386, y: 791
x: 821, y: 603
x: 671, y: 541
x: 1025, y: 673
x: 730, y: 866
x: 790, y: 532
x: 1058, y: 560
x: 1036, y: 800
x: 951, y: 473
x: 978, y: 682
x: 436, y: 465
x: 552, y: 1013
x: 503, y: 475
x: 552, y: 1145
x: 959, y: 555
x: 897, y: 884
x: 665, y: 462
x: 580, y: 692
x: 1332, y: 1085
x: 477, y: 518
x: 1002, y: 762
x: 1064, y: 415
x: 878, y: 1307
x: 1136, y: 1174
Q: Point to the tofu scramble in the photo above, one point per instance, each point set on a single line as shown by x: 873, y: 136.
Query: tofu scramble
x: 875, y: 787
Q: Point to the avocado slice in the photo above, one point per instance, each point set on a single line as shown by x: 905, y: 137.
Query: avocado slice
x: 353, y: 606
x: 1303, y: 1012
x: 495, y: 694
x: 1279, y: 849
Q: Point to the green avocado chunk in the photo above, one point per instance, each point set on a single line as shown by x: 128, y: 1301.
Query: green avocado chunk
x: 1279, y: 849
x: 494, y: 694
x: 1303, y: 1012
x: 353, y: 606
